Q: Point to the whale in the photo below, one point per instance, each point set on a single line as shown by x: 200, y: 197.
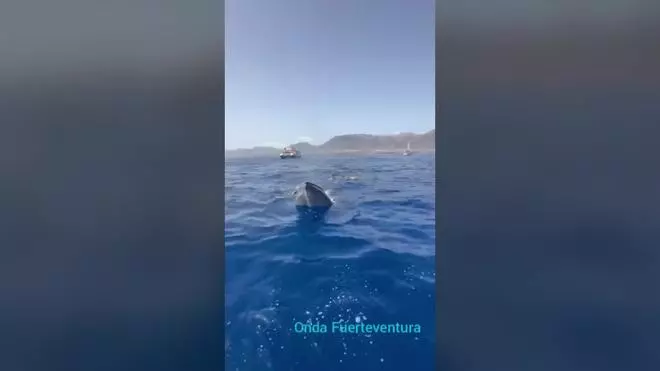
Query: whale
x: 312, y: 197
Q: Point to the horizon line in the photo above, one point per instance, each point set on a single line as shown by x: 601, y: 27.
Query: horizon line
x: 334, y: 136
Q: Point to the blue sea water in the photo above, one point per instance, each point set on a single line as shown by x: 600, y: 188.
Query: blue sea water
x: 371, y: 260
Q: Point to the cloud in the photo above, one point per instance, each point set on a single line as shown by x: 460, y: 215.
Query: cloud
x: 305, y: 139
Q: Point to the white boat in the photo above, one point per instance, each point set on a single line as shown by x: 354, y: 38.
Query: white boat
x: 290, y: 152
x: 407, y: 152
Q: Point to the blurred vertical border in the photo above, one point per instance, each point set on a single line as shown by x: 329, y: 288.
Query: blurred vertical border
x: 111, y: 202
x: 548, y: 119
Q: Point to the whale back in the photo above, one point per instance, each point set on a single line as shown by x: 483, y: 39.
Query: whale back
x: 312, y: 197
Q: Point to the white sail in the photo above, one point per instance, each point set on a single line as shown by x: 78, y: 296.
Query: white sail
x: 407, y: 152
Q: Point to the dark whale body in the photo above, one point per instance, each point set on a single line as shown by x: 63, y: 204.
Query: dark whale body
x: 311, y: 197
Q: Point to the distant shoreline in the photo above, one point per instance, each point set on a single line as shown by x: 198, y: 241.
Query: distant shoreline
x: 351, y: 144
x: 233, y: 154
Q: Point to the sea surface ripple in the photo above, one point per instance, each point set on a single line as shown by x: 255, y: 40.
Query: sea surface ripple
x: 371, y: 260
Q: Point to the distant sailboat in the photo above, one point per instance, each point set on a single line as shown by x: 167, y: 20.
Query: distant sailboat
x: 407, y: 152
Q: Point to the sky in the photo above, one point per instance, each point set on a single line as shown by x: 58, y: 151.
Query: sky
x: 307, y: 70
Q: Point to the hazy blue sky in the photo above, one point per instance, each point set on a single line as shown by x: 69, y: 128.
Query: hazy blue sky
x: 311, y: 69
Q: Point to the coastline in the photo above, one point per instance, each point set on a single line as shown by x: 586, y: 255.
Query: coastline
x: 357, y: 152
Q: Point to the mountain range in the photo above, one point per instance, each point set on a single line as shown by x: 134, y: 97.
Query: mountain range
x: 364, y: 143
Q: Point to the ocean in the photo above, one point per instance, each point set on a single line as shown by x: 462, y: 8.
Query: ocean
x: 366, y: 272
